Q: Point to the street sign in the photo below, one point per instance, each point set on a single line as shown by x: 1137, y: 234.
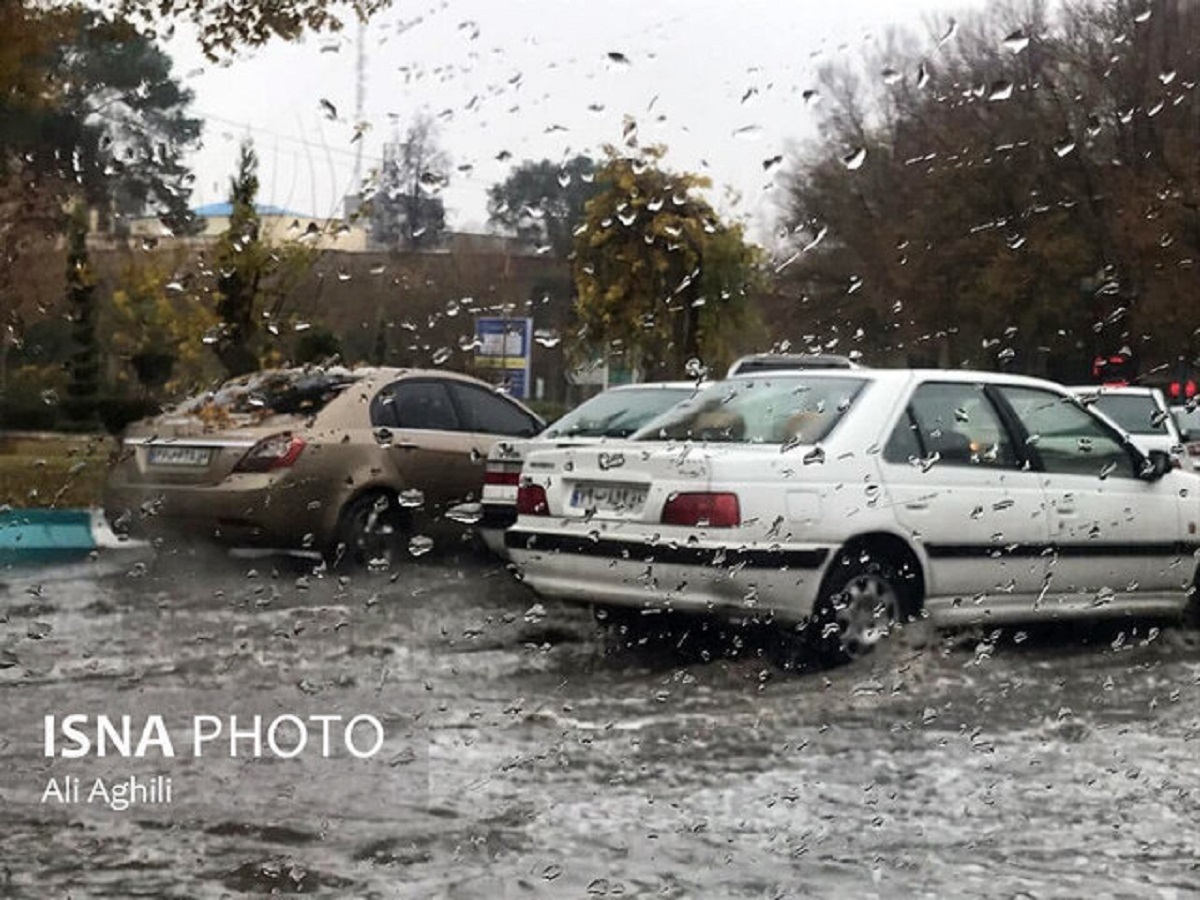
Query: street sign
x: 505, y: 350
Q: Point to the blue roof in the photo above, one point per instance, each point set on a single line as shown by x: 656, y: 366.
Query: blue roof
x: 226, y: 209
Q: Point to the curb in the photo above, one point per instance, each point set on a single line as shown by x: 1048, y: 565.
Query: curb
x: 60, y: 535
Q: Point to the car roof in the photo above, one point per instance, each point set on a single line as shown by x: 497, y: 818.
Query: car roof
x: 649, y: 385
x: 784, y: 361
x: 967, y: 376
x: 1125, y: 390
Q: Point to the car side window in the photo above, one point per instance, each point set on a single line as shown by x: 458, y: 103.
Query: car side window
x: 488, y: 413
x: 959, y: 423
x: 1066, y: 437
x: 417, y: 405
x: 904, y: 445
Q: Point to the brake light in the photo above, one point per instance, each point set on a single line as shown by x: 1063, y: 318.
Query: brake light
x: 279, y: 451
x: 500, y: 477
x: 705, y: 510
x: 531, y: 500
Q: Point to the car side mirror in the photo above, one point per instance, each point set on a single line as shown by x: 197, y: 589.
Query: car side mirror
x: 1158, y: 464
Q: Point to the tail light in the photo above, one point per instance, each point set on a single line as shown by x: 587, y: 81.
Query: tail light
x: 503, y: 474
x: 279, y: 451
x: 704, y: 510
x: 531, y: 500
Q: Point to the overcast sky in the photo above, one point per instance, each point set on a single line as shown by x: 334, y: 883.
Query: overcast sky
x: 719, y: 82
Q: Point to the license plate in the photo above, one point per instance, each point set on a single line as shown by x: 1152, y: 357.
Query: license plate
x: 180, y: 456
x: 609, y: 497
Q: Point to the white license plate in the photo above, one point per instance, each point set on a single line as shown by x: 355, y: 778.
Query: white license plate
x: 180, y: 456
x: 609, y: 497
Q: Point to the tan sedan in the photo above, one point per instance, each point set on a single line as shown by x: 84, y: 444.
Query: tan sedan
x: 339, y: 462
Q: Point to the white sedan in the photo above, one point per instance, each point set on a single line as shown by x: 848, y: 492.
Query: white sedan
x: 615, y: 413
x: 848, y: 501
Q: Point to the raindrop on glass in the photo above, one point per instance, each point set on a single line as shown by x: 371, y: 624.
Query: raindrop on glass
x: 419, y: 545
x: 1016, y: 41
x: 855, y: 158
x: 411, y: 498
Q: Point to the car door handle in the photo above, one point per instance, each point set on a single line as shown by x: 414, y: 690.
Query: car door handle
x: 405, y: 445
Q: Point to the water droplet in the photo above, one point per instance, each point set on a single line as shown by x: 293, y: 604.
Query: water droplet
x: 419, y: 545
x: 1001, y: 90
x: 465, y: 513
x: 441, y: 356
x: 1167, y: 77
x: 1016, y: 41
x: 452, y: 308
x: 748, y: 132
x: 608, y: 461
x: 1066, y: 148
x: 855, y: 158
x: 889, y: 75
x: 544, y: 337
x: 411, y: 498
x: 50, y: 397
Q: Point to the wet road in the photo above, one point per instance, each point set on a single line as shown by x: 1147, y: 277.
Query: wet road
x: 528, y: 755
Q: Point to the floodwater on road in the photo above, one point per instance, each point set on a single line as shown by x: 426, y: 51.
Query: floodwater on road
x: 526, y: 753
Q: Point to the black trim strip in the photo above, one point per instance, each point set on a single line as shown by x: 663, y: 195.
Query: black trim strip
x: 665, y: 553
x: 1090, y: 549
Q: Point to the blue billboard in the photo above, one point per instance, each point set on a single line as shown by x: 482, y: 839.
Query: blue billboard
x: 505, y: 350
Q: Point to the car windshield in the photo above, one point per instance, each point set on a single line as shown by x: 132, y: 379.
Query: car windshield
x: 279, y: 392
x: 617, y: 413
x: 765, y: 410
x: 1136, y: 413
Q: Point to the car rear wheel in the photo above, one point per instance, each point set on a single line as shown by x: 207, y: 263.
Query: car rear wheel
x: 862, y: 601
x: 370, y: 529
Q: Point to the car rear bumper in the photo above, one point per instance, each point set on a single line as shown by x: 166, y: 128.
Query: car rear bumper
x: 497, y: 518
x: 735, y: 582
x: 253, y: 510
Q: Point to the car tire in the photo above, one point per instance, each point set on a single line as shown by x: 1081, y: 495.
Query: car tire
x: 863, y: 599
x: 370, y: 531
x: 1189, y: 616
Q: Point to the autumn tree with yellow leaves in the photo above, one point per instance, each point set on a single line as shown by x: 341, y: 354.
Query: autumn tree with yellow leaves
x: 659, y: 278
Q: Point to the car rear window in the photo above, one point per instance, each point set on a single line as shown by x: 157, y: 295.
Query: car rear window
x: 764, y: 410
x: 617, y: 414
x: 1136, y: 414
x: 274, y: 392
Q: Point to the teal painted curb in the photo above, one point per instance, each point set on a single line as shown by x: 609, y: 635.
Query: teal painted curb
x: 58, y: 535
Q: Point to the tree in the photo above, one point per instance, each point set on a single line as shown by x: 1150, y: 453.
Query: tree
x: 226, y: 25
x: 102, y: 114
x: 253, y: 280
x: 657, y: 275
x: 542, y: 202
x: 157, y: 325
x: 406, y: 209
x: 84, y: 367
x: 1025, y: 197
